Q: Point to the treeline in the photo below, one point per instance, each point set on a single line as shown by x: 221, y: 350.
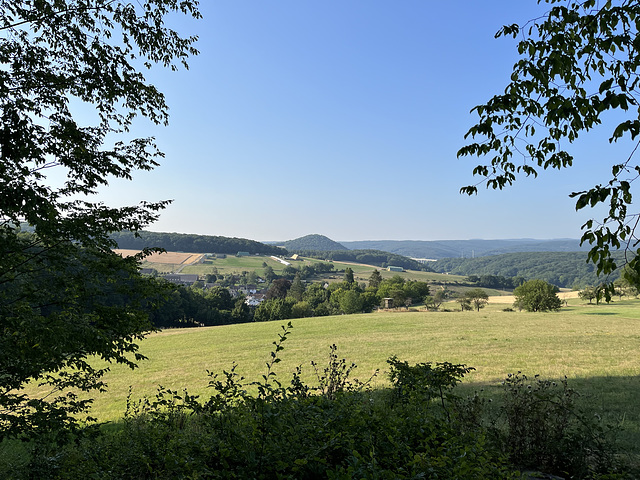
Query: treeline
x: 377, y: 258
x: 563, y: 269
x: 196, y: 307
x: 180, y: 242
x: 285, y: 299
x: 497, y: 282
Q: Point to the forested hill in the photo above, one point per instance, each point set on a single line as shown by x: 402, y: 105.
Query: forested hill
x: 369, y: 257
x: 313, y: 242
x: 180, y: 242
x: 466, y: 248
x: 563, y: 269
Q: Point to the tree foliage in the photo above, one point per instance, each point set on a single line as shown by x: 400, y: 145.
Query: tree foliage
x: 348, y: 275
x: 64, y: 296
x: 477, y: 297
x: 507, y: 271
x: 369, y: 257
x: 193, y: 243
x: 589, y: 293
x: 578, y: 64
x: 537, y: 296
x: 375, y: 279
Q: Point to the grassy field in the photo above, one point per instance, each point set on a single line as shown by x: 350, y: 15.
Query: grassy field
x: 233, y: 264
x: 597, y: 347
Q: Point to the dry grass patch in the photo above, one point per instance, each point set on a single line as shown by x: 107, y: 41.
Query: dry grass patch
x: 509, y: 299
x: 173, y: 258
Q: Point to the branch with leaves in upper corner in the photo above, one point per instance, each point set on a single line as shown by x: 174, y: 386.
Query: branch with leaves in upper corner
x: 577, y: 63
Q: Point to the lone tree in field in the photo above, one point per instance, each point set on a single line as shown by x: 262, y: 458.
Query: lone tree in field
x: 579, y: 66
x: 64, y: 296
x: 588, y: 293
x: 537, y: 296
x: 477, y: 297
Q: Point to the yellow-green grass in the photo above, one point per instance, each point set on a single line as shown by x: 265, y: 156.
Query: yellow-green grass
x: 597, y: 347
x: 233, y: 264
x: 230, y: 264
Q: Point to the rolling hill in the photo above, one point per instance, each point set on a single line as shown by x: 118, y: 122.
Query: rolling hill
x: 313, y: 242
x: 564, y: 269
x: 466, y: 248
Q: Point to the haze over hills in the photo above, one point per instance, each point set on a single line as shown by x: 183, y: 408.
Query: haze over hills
x: 466, y: 248
x: 563, y: 269
x: 426, y: 249
x: 437, y: 249
x: 561, y: 261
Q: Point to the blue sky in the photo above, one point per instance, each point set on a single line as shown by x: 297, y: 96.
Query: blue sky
x: 344, y: 118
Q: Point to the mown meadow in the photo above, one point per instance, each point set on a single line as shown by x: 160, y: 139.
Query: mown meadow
x: 594, y: 346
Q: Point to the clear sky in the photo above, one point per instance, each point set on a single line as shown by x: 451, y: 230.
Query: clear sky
x: 343, y: 118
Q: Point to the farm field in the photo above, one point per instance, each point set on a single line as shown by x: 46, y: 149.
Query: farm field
x: 165, y: 258
x: 596, y: 347
x: 232, y: 264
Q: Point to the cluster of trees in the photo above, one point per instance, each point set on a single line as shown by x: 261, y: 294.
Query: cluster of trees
x: 563, y: 269
x: 497, y: 282
x: 475, y: 298
x: 232, y: 279
x: 293, y: 299
x: 198, y: 307
x: 286, y: 297
x: 289, y: 298
x: 532, y: 296
x: 621, y: 287
x: 180, y: 242
x: 308, y: 270
x: 369, y: 257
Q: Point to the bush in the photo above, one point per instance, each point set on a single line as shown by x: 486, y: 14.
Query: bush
x: 543, y: 429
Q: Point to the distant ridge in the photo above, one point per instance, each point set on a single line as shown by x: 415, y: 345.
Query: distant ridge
x: 180, y: 242
x: 467, y: 248
x: 563, y: 269
x: 315, y: 242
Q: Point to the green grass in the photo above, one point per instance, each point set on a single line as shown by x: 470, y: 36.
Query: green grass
x: 233, y: 264
x: 597, y: 347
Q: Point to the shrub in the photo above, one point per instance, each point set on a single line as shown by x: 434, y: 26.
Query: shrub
x: 543, y: 429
